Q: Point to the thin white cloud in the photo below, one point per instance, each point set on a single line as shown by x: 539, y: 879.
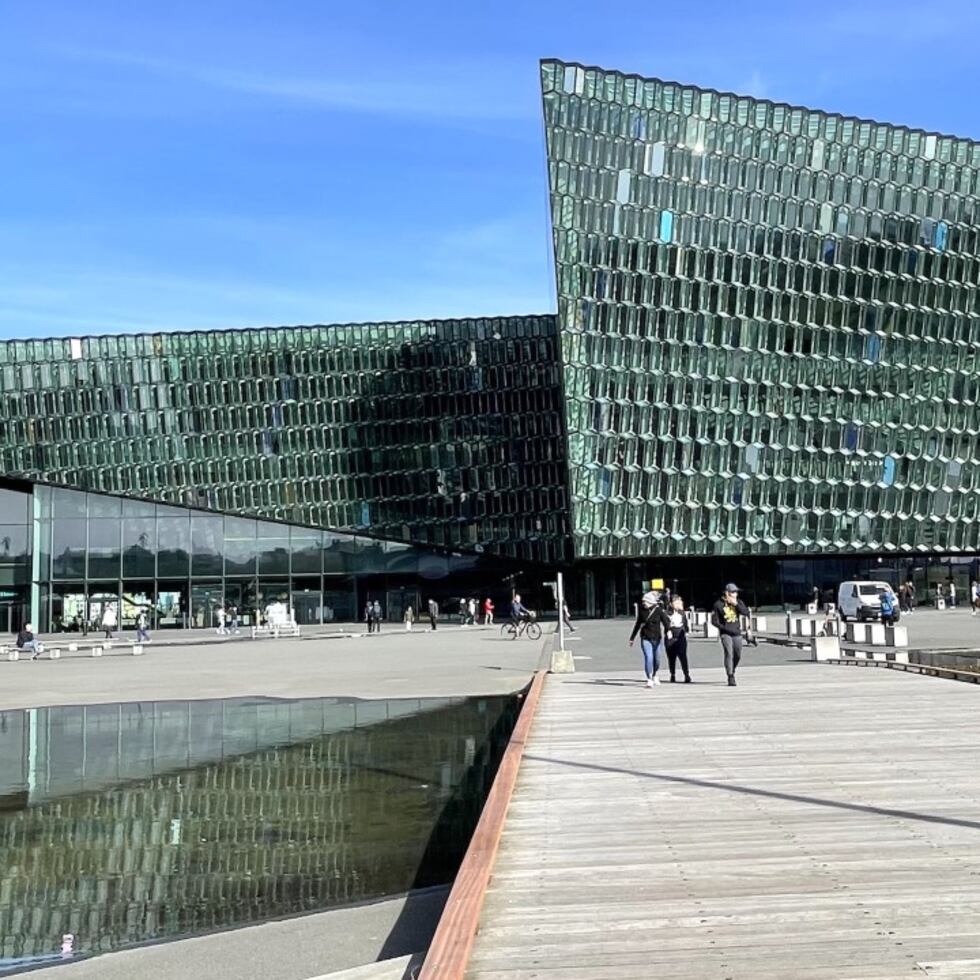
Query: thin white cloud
x: 454, y: 93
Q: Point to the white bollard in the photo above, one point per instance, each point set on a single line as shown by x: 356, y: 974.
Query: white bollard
x: 710, y: 631
x: 73, y: 648
x: 137, y: 649
x: 13, y: 654
x: 896, y: 636
x: 96, y: 651
x: 876, y: 634
x: 54, y: 654
x: 825, y: 648
x: 760, y: 624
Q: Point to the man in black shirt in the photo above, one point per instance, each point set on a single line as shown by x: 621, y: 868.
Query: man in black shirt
x: 727, y: 616
x: 27, y: 643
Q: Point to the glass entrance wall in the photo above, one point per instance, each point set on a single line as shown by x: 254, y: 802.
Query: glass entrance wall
x: 180, y: 565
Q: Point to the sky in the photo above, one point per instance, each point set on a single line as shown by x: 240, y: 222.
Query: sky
x: 206, y: 163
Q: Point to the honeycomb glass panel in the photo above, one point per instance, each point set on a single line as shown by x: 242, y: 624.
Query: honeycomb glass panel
x: 841, y: 253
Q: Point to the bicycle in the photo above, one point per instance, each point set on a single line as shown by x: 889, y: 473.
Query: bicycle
x: 526, y: 627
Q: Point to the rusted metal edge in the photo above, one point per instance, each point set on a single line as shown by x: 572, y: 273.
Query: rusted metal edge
x: 449, y: 952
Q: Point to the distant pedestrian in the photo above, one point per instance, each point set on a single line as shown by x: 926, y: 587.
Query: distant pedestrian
x: 471, y: 612
x: 727, y: 616
x: 677, y: 640
x: 652, y: 624
x: 910, y: 585
x: 903, y: 597
x: 409, y: 618
x: 433, y: 612
x: 952, y: 594
x: 377, y: 614
x: 220, y: 616
x: 369, y: 615
x: 109, y: 620
x: 939, y: 595
x: 462, y: 612
x: 235, y: 620
x: 488, y: 608
x: 888, y: 607
x: 974, y: 597
x: 142, y: 627
x: 566, y: 617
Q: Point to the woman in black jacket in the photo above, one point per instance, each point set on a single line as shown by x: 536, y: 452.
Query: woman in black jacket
x: 652, y: 625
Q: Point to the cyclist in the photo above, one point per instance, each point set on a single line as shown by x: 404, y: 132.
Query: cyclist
x: 518, y: 611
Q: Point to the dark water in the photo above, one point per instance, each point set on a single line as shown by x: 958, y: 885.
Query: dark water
x: 127, y: 823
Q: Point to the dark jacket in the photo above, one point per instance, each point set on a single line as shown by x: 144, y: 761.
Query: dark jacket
x: 24, y: 637
x: 651, y: 624
x: 728, y: 618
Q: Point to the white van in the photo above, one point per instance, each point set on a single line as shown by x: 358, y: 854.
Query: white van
x: 860, y: 600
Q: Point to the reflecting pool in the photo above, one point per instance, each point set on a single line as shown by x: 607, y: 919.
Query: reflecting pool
x: 127, y: 823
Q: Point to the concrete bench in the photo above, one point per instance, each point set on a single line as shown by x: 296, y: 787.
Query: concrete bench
x: 878, y: 635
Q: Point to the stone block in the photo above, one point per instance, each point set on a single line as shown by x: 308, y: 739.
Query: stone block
x: 896, y: 636
x: 825, y: 648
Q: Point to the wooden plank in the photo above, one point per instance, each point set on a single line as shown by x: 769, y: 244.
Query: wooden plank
x: 452, y: 943
x: 813, y: 823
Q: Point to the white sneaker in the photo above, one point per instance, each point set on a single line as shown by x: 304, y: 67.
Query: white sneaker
x: 649, y: 682
x: 656, y: 680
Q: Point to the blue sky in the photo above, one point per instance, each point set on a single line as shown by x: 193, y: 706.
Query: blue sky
x: 215, y: 164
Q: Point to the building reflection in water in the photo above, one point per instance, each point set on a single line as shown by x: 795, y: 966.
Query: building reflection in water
x: 125, y: 823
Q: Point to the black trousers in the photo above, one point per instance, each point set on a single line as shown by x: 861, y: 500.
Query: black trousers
x: 677, y: 651
x: 432, y: 619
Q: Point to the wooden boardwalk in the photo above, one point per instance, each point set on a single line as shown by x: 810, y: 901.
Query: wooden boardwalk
x: 815, y: 822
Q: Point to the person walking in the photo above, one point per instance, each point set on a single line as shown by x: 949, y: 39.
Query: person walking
x: 974, y: 597
x: 109, y: 620
x: 652, y: 625
x: 888, y: 604
x: 377, y: 615
x: 567, y: 617
x: 471, y: 612
x: 677, y: 640
x: 462, y: 612
x: 369, y: 615
x: 910, y: 585
x: 220, y: 616
x: 433, y: 612
x: 409, y: 618
x: 235, y: 622
x: 142, y: 627
x: 727, y: 615
x: 488, y: 611
x: 903, y: 597
x: 952, y: 594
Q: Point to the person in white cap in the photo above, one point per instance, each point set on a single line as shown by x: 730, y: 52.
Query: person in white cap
x: 652, y: 624
x: 727, y: 616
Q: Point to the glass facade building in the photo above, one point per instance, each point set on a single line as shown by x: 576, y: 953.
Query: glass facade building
x: 769, y: 323
x: 765, y: 353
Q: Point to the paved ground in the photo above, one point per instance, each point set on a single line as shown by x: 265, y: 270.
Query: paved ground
x: 292, y: 949
x: 815, y: 822
x: 448, y: 663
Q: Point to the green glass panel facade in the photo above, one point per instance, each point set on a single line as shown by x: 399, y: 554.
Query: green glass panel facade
x: 444, y: 432
x: 769, y: 323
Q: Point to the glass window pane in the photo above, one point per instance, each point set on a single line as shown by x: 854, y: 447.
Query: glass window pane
x: 68, y: 548
x: 139, y: 547
x: 173, y: 546
x: 207, y: 537
x: 103, y: 548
